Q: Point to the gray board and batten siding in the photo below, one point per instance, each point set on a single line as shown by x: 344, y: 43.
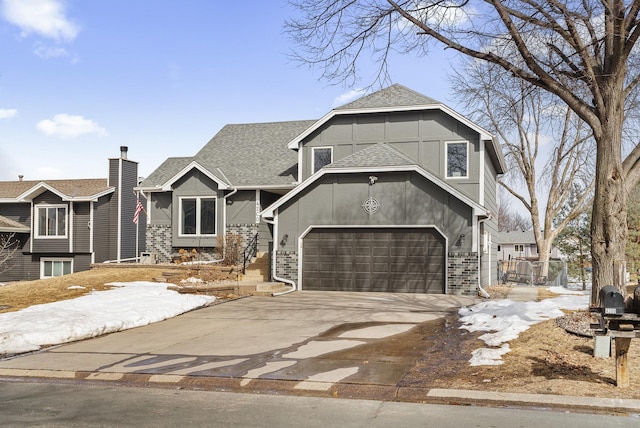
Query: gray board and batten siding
x: 420, y: 135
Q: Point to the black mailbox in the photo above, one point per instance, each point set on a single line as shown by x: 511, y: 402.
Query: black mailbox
x: 636, y: 300
x: 611, y: 301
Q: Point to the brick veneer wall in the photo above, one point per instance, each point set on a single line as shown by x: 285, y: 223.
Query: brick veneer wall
x: 247, y: 231
x: 462, y: 275
x: 158, y: 240
x: 287, y: 265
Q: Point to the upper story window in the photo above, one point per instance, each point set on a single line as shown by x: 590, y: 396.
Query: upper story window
x: 322, y: 156
x: 519, y: 248
x: 197, y: 216
x: 51, y: 221
x: 457, y: 159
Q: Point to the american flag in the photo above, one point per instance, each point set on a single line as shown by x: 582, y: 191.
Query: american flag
x: 136, y: 214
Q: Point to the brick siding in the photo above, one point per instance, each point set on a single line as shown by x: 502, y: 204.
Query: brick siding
x: 462, y: 275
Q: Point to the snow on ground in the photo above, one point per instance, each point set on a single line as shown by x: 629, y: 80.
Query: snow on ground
x: 125, y: 306
x: 504, y: 320
x: 135, y: 304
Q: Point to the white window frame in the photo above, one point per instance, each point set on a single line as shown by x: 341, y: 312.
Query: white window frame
x: 518, y: 248
x: 446, y: 160
x: 313, y: 157
x: 54, y: 259
x: 36, y: 216
x: 198, y: 217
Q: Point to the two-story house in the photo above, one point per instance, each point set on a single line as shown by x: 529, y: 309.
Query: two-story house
x: 393, y: 192
x: 63, y: 226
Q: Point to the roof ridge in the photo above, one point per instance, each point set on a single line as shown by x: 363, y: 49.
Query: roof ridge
x: 395, y: 95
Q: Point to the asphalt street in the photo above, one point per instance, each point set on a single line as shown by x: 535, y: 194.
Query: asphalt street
x: 72, y: 405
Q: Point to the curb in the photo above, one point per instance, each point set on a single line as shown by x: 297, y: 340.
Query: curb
x: 337, y: 390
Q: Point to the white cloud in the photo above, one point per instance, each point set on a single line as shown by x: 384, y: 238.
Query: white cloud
x: 348, y: 97
x: 69, y: 126
x: 47, y: 52
x: 446, y: 14
x: 44, y: 17
x: 8, y: 113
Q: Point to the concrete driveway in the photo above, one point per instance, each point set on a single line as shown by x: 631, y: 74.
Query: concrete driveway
x: 310, y: 340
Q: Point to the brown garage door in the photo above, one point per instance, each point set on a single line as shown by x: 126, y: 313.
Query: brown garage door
x: 394, y: 260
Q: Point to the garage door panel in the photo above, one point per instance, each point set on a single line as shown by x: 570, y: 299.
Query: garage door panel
x: 392, y: 260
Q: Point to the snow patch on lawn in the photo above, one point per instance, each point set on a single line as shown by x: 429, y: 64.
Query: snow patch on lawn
x: 127, y: 305
x: 504, y: 320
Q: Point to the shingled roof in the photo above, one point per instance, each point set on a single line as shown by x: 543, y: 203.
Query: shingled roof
x: 80, y: 188
x: 378, y: 155
x: 10, y: 226
x: 394, y: 96
x: 253, y: 154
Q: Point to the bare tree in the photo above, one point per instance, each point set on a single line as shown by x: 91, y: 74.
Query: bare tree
x: 547, y: 147
x: 8, y: 247
x: 510, y: 220
x: 581, y: 51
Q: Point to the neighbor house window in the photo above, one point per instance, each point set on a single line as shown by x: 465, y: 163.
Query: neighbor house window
x: 322, y: 156
x: 197, y: 216
x: 519, y: 248
x: 51, y: 221
x: 50, y: 268
x: 457, y: 159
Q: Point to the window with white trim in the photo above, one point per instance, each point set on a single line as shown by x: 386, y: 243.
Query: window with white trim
x: 457, y: 159
x: 51, y: 221
x: 50, y: 268
x: 197, y: 216
x: 322, y: 156
x: 519, y: 248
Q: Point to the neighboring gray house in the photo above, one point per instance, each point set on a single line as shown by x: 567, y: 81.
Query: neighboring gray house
x: 513, y: 245
x: 63, y: 226
x: 392, y: 192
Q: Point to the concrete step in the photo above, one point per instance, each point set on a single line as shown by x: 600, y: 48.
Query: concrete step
x: 269, y: 288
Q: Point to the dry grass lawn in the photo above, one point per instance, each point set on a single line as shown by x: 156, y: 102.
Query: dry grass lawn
x: 19, y: 295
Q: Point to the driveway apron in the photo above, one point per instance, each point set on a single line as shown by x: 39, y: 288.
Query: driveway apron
x: 313, y: 339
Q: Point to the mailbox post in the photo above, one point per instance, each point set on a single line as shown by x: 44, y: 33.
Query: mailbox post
x: 620, y: 325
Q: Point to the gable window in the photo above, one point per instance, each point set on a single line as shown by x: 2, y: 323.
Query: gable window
x: 197, y: 216
x: 50, y: 268
x: 457, y: 159
x: 322, y: 156
x: 51, y: 221
x: 519, y: 248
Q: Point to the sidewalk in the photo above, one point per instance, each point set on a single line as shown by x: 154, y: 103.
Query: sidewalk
x: 523, y: 293
x: 284, y: 346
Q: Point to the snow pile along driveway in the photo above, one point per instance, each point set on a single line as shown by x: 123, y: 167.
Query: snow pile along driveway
x: 505, y: 319
x: 128, y: 305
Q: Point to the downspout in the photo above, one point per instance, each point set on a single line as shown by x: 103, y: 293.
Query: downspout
x: 482, y: 291
x: 273, y: 267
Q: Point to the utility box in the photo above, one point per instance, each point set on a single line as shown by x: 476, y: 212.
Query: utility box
x: 148, y: 258
x: 611, y: 301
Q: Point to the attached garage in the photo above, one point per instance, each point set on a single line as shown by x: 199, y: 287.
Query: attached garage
x: 398, y: 260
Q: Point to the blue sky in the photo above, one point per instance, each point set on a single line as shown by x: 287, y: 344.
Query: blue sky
x: 79, y: 79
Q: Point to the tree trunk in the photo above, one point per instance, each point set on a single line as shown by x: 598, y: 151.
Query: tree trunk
x: 544, y: 253
x: 609, y: 217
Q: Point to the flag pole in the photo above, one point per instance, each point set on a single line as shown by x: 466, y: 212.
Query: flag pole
x: 137, y: 230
